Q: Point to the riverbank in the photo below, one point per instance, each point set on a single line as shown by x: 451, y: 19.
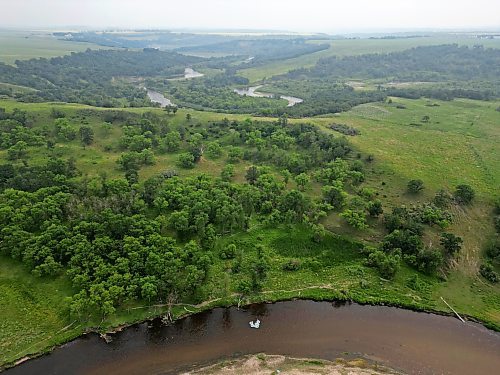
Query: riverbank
x: 148, y: 314
x: 376, y: 334
x: 260, y: 364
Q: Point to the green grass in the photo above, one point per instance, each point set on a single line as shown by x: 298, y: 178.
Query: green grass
x: 349, y: 47
x: 34, y: 312
x: 24, y: 45
x: 443, y: 152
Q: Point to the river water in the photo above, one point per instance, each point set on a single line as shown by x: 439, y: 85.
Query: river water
x: 416, y: 343
x: 159, y: 98
x: 253, y: 91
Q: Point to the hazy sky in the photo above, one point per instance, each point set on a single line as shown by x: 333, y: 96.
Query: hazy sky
x: 300, y: 15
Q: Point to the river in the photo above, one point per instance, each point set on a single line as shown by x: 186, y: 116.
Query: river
x: 416, y: 343
x: 253, y: 91
x: 159, y: 98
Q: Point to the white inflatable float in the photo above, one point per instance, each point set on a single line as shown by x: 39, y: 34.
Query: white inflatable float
x: 255, y: 324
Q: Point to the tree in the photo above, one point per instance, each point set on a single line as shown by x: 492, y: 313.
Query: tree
x: 214, y: 150
x: 334, y: 195
x: 186, y: 160
x: 171, y: 142
x: 415, y: 186
x: 17, y: 151
x: 464, y: 194
x: 149, y: 291
x: 451, y: 243
x: 355, y: 218
x: 302, y: 180
x: 86, y: 135
x: 286, y: 175
x: 386, y: 263
x: 227, y: 172
x: 252, y: 174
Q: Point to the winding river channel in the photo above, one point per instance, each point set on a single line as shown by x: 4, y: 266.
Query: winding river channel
x: 412, y: 342
x: 253, y: 91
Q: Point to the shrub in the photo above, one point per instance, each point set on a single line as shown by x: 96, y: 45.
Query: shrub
x: 291, y: 265
x: 355, y: 218
x: 415, y: 186
x: 442, y: 199
x: 229, y: 252
x: 451, y: 243
x: 375, y: 208
x: 386, y: 263
x: 464, y: 194
x: 487, y: 271
x: 493, y: 250
x: 426, y: 260
x: 186, y: 160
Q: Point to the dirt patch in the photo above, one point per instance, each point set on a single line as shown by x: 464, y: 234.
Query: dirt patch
x: 262, y: 364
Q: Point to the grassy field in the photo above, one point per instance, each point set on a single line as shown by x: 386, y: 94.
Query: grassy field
x: 349, y: 47
x: 24, y: 45
x: 457, y: 145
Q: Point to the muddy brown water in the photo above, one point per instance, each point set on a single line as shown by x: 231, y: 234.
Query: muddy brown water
x: 412, y: 342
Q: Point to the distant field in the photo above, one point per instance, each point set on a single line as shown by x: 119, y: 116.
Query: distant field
x: 348, y: 47
x: 24, y: 45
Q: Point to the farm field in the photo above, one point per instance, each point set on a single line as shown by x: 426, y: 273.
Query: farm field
x: 25, y: 45
x: 350, y: 47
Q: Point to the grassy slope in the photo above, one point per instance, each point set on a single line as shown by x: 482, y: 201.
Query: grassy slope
x: 437, y: 152
x: 33, y: 311
x: 357, y: 47
x: 24, y: 45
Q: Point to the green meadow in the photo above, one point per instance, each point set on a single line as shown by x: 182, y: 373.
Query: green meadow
x: 458, y: 143
x: 24, y: 45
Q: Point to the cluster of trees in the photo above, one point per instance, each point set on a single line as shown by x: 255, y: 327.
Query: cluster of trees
x: 217, y: 93
x: 406, y: 227
x: 90, y: 77
x: 456, y: 72
x: 428, y: 63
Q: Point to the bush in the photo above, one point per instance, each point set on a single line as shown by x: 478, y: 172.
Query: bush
x: 291, y: 265
x: 415, y: 186
x: 464, y: 194
x: 355, y: 218
x: 451, y: 243
x: 386, y: 263
x: 442, y: 199
x: 426, y: 260
x: 229, y: 252
x: 186, y: 160
x: 487, y: 271
x: 493, y: 250
x: 496, y: 222
x: 375, y: 208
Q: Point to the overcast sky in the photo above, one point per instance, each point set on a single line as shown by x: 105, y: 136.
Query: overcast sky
x: 294, y: 15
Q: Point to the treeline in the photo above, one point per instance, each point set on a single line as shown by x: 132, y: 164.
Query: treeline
x: 261, y: 49
x: 91, y: 77
x: 429, y: 63
x: 321, y: 96
x: 216, y: 93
